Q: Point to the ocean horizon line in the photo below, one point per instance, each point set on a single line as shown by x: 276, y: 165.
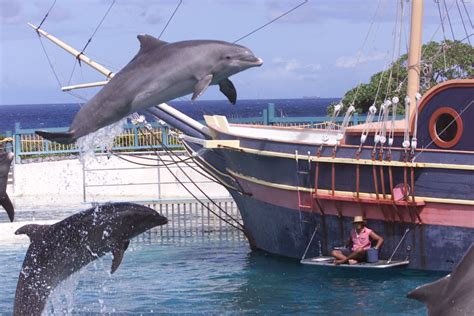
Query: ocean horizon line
x: 182, y: 101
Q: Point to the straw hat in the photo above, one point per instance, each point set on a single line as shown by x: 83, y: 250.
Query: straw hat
x: 359, y: 219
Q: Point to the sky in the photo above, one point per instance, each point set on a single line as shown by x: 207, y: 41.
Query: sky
x: 321, y: 49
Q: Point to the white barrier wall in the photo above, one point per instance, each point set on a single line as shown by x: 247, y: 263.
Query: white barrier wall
x: 69, y: 182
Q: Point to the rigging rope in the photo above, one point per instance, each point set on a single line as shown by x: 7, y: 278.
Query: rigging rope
x: 270, y: 22
x: 467, y: 13
x: 171, y: 17
x: 414, y: 140
x: 363, y: 45
x: 119, y: 156
x: 55, y: 73
x: 142, y: 120
x: 449, y: 18
x: 241, y: 228
x: 462, y: 20
x: 78, y: 61
x: 47, y: 14
x: 97, y: 28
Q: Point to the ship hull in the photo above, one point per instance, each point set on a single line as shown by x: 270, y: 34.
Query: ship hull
x: 284, y: 231
x: 280, y: 213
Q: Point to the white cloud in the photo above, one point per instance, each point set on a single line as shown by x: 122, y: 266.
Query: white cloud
x: 291, y: 68
x: 352, y: 61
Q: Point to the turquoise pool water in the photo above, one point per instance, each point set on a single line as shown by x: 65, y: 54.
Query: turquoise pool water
x: 217, y: 274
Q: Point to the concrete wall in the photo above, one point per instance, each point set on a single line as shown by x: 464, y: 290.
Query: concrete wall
x: 71, y: 182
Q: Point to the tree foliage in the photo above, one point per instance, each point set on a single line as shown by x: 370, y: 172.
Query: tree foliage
x: 441, y: 61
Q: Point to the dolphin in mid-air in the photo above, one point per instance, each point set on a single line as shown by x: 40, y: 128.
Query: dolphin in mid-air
x: 160, y: 72
x: 5, y: 162
x: 57, y: 251
x: 452, y: 295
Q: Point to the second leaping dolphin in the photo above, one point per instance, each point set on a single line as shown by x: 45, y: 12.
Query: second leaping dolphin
x: 452, y: 295
x: 5, y: 162
x: 57, y: 251
x: 160, y: 72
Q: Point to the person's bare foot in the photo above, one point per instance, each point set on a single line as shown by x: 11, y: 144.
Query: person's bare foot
x: 338, y: 262
x: 353, y: 261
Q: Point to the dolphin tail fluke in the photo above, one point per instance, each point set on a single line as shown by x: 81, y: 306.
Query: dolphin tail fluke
x: 62, y: 138
x: 8, y: 206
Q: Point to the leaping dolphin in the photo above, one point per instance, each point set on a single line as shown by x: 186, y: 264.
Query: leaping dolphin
x: 453, y: 294
x: 160, y: 72
x: 57, y: 251
x: 5, y: 162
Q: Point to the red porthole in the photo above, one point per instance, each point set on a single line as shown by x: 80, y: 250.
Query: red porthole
x: 445, y: 127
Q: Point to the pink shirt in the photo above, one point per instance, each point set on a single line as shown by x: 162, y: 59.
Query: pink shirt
x: 361, y: 240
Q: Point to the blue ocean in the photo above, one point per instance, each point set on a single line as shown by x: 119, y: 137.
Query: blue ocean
x: 218, y: 275
x: 61, y: 115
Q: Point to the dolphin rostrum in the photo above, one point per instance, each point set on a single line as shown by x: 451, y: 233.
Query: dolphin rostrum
x: 453, y: 294
x: 57, y: 251
x: 5, y: 162
x: 160, y: 72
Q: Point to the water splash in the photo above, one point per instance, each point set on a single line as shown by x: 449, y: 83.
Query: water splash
x: 102, y: 139
x: 62, y: 299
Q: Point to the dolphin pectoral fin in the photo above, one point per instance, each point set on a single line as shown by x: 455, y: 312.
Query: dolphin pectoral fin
x: 227, y: 88
x: 34, y: 231
x: 62, y: 138
x: 118, y: 255
x: 8, y: 206
x: 201, y: 86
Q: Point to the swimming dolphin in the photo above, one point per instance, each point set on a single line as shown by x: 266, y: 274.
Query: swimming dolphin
x: 5, y: 162
x: 57, y: 251
x: 160, y: 72
x: 453, y: 294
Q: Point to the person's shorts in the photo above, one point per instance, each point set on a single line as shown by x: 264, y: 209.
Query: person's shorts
x: 345, y: 251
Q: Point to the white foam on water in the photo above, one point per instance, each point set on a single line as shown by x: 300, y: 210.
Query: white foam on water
x: 102, y: 139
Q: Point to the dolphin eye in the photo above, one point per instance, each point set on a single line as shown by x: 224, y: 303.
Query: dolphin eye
x: 227, y: 57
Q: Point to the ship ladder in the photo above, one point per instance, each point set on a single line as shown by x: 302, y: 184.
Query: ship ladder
x: 303, y: 180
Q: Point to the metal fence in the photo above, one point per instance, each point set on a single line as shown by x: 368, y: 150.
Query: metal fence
x: 93, y: 184
x: 27, y: 144
x: 188, y: 217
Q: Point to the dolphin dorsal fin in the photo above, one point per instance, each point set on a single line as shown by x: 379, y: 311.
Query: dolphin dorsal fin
x: 34, y: 231
x: 118, y: 253
x: 432, y: 292
x: 148, y: 42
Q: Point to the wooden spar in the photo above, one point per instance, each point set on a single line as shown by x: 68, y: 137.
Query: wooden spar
x: 85, y: 85
x: 109, y: 74
x: 414, y: 53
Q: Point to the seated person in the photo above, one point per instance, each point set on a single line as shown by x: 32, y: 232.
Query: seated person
x: 360, y: 240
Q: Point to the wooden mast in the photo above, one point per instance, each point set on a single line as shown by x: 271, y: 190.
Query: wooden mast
x: 414, y: 53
